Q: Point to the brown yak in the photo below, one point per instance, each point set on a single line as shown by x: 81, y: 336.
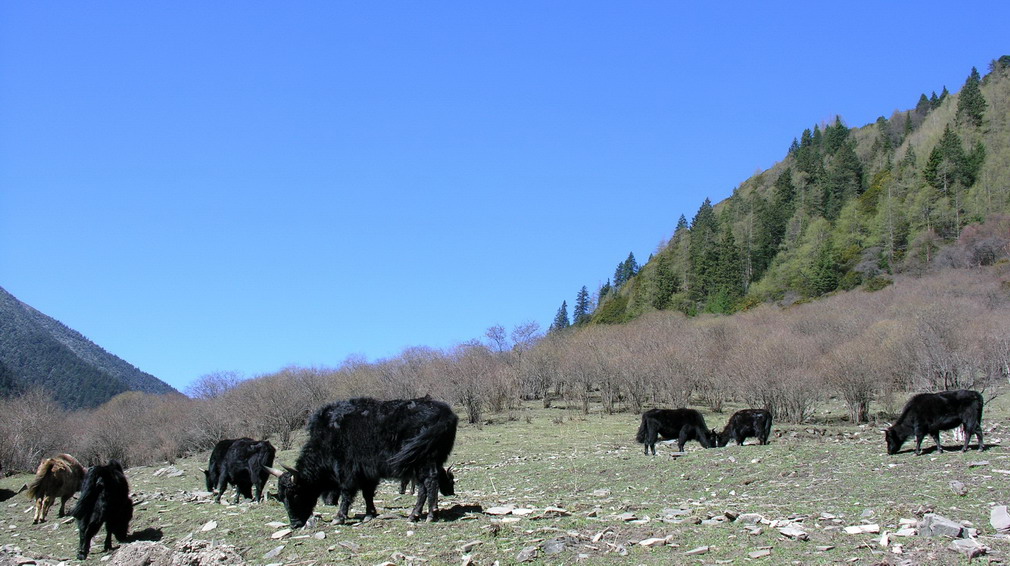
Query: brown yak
x: 59, y: 476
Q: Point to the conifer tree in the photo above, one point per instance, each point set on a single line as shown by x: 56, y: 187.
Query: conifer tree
x: 561, y: 319
x: 971, y: 104
x: 667, y: 282
x: 604, y: 291
x: 581, y: 313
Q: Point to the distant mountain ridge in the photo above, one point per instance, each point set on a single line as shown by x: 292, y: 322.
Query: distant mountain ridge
x: 38, y: 351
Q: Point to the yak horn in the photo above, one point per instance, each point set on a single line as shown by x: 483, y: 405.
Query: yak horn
x: 274, y: 471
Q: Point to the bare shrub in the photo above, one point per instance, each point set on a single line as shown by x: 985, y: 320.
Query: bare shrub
x: 32, y: 427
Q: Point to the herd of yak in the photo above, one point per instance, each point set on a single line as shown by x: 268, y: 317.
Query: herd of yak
x: 352, y: 445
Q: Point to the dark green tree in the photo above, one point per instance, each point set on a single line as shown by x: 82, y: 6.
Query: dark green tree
x: 701, y: 252
x: 625, y: 271
x: 824, y: 278
x: 581, y: 315
x: 971, y: 104
x: 843, y: 180
x: 947, y: 164
x: 726, y: 276
x: 561, y: 319
x: 667, y: 282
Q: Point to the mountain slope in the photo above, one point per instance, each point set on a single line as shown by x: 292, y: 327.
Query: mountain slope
x: 845, y: 208
x: 37, y: 351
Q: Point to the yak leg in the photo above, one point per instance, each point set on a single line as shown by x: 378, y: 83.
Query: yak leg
x: 63, y: 505
x: 47, y: 503
x: 978, y: 434
x: 108, y: 537
x: 918, y: 443
x: 87, y: 532
x: 936, y: 439
x: 38, y: 511
x: 368, y: 494
x: 346, y: 497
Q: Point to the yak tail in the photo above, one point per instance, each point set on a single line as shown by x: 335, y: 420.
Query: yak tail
x: 433, y: 443
x: 640, y: 436
x: 91, y: 489
x: 37, y: 487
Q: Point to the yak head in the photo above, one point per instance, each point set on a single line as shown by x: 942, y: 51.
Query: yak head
x: 446, y: 481
x: 894, y: 440
x: 298, y: 497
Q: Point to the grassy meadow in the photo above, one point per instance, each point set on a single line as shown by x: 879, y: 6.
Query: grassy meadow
x: 580, y: 490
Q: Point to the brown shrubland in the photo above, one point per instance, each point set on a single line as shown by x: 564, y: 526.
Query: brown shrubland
x: 947, y: 329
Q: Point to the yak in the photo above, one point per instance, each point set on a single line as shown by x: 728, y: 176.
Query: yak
x: 59, y: 476
x: 105, y: 499
x: 241, y: 462
x: 929, y: 413
x: 354, y: 444
x: 745, y: 423
x: 682, y: 424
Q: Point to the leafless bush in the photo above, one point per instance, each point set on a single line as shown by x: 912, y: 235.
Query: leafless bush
x: 32, y: 427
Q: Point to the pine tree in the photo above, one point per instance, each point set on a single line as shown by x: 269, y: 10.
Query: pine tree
x: 971, y: 104
x: 727, y: 275
x: 667, y: 282
x: 625, y: 271
x: 581, y: 313
x: 701, y: 253
x: 561, y: 319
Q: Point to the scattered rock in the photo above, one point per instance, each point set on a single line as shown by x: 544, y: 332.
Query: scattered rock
x: 794, y: 533
x: 319, y: 536
x: 863, y: 529
x: 969, y: 547
x: 763, y: 553
x: 749, y: 518
x: 626, y: 517
x: 274, y: 552
x: 999, y: 518
x: 824, y: 548
x: 281, y: 534
x: 601, y: 493
x: 978, y: 464
x: 468, y: 547
x: 500, y: 510
x: 958, y: 488
x: 527, y: 554
x: 556, y: 546
x: 650, y: 542
x: 906, y: 532
x: 208, y: 526
x: 553, y: 512
x: 934, y: 525
x: 697, y: 551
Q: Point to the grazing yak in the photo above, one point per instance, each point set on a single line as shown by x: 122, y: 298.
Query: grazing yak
x: 242, y: 462
x: 354, y: 444
x: 929, y: 413
x: 59, y: 476
x: 682, y: 424
x: 745, y: 423
x: 105, y: 499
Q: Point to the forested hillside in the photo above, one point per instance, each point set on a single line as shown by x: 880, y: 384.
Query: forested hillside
x: 845, y: 208
x: 38, y: 352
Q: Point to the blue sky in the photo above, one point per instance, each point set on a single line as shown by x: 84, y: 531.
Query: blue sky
x: 224, y: 186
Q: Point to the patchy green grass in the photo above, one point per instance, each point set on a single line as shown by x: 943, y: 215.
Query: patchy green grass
x: 584, y: 492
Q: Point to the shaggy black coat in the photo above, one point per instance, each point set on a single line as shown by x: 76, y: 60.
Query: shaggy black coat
x: 105, y: 499
x: 745, y: 423
x: 929, y: 413
x: 241, y: 462
x: 682, y: 424
x: 354, y: 444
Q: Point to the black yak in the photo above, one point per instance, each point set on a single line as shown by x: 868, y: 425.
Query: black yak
x: 354, y: 444
x: 241, y: 462
x: 105, y: 499
x: 682, y: 424
x: 59, y: 476
x: 929, y: 413
x: 745, y: 423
